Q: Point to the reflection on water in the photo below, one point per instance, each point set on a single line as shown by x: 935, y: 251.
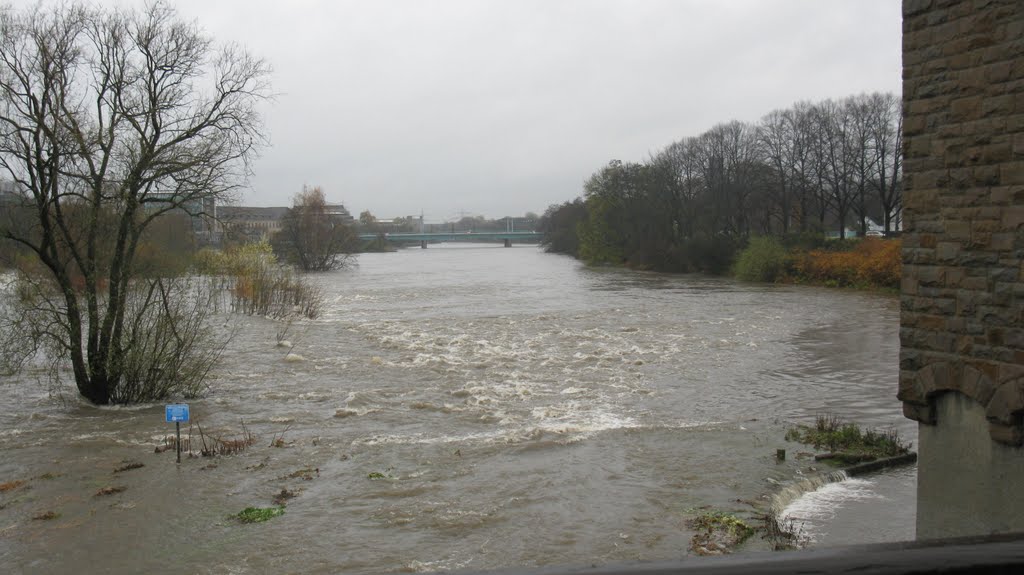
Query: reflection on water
x: 462, y: 407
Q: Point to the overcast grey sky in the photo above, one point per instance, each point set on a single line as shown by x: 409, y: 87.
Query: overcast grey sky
x: 502, y: 107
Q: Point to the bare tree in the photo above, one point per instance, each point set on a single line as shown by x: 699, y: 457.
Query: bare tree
x: 110, y: 119
x: 777, y: 142
x: 311, y: 237
x: 863, y: 160
x: 886, y: 122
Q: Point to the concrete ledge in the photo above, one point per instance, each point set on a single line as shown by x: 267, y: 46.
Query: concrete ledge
x: 879, y: 464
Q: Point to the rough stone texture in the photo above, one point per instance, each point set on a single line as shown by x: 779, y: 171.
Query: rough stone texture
x: 962, y: 320
x: 962, y: 306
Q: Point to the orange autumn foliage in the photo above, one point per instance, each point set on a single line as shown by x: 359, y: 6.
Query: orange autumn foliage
x: 872, y: 262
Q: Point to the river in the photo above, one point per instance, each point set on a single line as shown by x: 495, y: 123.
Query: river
x: 469, y: 407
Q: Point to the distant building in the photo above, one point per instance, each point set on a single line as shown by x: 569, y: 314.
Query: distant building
x: 250, y: 223
x: 339, y: 211
x: 256, y: 223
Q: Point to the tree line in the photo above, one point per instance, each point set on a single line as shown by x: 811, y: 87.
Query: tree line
x: 806, y: 169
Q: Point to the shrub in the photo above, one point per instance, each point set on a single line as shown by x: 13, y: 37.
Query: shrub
x: 259, y: 285
x: 870, y: 262
x: 764, y: 260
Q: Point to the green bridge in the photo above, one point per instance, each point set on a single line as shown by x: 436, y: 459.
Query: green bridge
x: 424, y: 238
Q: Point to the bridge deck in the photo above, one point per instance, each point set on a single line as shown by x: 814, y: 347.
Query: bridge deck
x: 456, y: 236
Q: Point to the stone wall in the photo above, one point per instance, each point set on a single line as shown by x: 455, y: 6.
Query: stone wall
x: 962, y: 321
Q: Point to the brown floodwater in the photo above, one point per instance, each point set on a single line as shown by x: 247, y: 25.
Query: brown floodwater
x: 468, y: 407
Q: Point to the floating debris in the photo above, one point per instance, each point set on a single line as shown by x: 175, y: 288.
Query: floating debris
x: 129, y: 466
x: 306, y: 473
x: 284, y: 496
x: 11, y: 485
x: 109, y: 490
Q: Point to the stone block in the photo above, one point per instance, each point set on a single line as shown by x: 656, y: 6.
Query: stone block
x: 961, y: 230
x: 1013, y: 217
x: 1000, y: 150
x: 1014, y: 337
x: 1004, y: 241
x: 922, y: 413
x: 1011, y: 173
x: 976, y: 383
x: 955, y: 276
x: 947, y: 252
x: 1002, y: 195
x: 909, y: 389
x: 1010, y: 435
x: 1007, y: 403
x: 998, y: 72
x: 969, y: 108
x: 931, y: 322
x: 997, y: 106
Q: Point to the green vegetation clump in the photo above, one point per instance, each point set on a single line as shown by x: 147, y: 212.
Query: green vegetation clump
x: 259, y: 514
x: 847, y: 441
x: 765, y: 259
x: 718, y: 532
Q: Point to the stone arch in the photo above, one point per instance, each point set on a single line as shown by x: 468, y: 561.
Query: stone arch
x: 1005, y: 412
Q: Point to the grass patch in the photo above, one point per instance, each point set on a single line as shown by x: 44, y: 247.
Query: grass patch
x: 717, y: 532
x: 47, y: 516
x: 846, y: 441
x: 259, y: 514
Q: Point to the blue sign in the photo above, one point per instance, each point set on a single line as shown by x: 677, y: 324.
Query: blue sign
x: 177, y: 412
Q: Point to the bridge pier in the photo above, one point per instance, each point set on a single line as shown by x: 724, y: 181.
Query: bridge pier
x: 508, y: 242
x: 423, y: 244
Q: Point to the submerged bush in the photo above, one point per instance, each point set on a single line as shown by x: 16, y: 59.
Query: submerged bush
x: 259, y: 284
x: 717, y: 532
x: 764, y: 260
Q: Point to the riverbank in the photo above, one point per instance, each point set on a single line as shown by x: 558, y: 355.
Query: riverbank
x: 864, y: 263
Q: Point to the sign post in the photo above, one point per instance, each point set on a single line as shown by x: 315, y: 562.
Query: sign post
x: 177, y: 413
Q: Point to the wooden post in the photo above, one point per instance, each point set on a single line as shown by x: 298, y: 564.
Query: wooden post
x: 177, y: 427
